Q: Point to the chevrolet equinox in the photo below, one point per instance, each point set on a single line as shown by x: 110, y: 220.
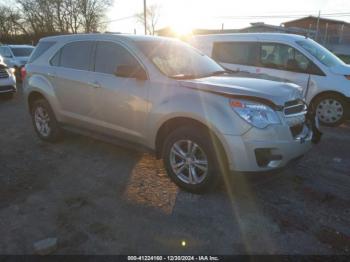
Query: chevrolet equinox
x: 164, y: 95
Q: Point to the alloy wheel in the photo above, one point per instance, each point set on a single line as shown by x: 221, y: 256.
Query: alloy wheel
x: 189, y: 162
x: 42, y: 121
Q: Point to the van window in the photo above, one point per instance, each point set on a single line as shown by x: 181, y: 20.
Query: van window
x: 243, y: 53
x: 109, y: 55
x: 39, y: 50
x: 283, y: 57
x: 76, y: 55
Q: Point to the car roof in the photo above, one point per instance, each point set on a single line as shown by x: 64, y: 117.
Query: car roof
x: 106, y: 36
x: 266, y: 36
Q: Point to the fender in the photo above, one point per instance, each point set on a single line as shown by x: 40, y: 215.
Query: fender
x: 212, y: 111
x: 38, y: 83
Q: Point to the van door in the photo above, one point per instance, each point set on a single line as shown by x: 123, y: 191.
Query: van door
x: 122, y: 101
x: 285, y: 62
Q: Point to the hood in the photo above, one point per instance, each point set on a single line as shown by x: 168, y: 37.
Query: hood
x: 341, y: 69
x: 22, y: 58
x: 276, y: 92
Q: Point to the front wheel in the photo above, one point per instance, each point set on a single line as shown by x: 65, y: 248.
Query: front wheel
x: 330, y: 109
x: 190, y: 159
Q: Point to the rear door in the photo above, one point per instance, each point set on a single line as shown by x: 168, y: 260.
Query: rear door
x: 73, y: 81
x: 122, y: 102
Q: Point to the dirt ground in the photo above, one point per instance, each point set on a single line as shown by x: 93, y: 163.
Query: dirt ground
x: 97, y: 198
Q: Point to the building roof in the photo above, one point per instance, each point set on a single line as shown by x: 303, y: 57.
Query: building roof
x: 315, y: 18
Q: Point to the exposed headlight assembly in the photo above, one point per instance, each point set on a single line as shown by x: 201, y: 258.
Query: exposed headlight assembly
x: 256, y: 114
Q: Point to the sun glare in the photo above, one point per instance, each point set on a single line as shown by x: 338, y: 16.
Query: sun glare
x: 181, y: 29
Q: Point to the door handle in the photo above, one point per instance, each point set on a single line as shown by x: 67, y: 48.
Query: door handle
x: 95, y: 84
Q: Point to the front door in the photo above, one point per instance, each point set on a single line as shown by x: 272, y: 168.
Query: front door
x: 122, y: 101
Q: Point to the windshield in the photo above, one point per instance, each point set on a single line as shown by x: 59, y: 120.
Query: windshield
x: 178, y: 60
x: 320, y: 53
x: 21, y: 51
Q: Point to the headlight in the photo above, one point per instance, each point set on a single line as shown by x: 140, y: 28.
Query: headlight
x: 258, y: 115
x: 11, y: 71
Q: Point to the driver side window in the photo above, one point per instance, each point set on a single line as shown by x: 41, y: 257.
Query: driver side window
x: 110, y: 55
x: 283, y: 57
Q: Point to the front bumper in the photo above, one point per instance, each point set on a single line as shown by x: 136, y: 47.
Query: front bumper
x: 267, y: 149
x: 8, y: 85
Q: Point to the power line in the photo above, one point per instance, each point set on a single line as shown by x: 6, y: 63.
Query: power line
x: 117, y: 19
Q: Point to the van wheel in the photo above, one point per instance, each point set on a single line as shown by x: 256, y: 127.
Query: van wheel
x: 190, y: 160
x: 330, y: 109
x: 44, y: 121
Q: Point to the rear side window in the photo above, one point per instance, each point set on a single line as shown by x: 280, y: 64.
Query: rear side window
x: 76, y: 55
x: 243, y: 53
x: 41, y: 48
x: 110, y: 55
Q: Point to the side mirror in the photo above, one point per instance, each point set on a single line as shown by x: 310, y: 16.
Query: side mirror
x: 131, y: 72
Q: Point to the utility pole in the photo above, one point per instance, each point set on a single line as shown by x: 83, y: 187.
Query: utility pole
x: 317, y: 25
x: 145, y: 15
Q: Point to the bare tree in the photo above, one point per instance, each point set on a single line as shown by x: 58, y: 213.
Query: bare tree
x: 10, y: 21
x: 152, y: 14
x: 40, y: 17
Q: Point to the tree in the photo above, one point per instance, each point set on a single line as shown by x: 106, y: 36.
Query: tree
x: 40, y: 17
x: 9, y: 21
x: 152, y: 15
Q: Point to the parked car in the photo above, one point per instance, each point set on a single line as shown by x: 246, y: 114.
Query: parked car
x: 7, y: 81
x: 324, y: 77
x: 16, y: 56
x: 163, y: 95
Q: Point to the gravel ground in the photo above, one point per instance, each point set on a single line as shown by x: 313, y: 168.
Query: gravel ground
x: 97, y: 198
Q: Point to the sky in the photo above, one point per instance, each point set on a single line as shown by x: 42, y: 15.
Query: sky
x: 185, y: 15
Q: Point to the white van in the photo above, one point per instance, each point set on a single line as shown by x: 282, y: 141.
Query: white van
x: 298, y: 59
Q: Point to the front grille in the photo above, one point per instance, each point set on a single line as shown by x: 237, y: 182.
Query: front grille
x: 7, y: 88
x: 294, y: 107
x: 294, y: 112
x: 3, y: 73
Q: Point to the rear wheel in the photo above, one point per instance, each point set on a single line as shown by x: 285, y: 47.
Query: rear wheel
x: 44, y: 121
x: 330, y: 109
x: 190, y: 160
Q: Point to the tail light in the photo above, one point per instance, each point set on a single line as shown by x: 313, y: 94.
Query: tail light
x: 23, y: 73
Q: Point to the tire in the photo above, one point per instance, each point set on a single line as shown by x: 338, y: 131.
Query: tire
x: 43, y: 116
x: 203, y: 150
x: 331, y: 109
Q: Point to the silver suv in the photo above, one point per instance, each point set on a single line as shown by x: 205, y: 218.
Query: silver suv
x: 164, y: 95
